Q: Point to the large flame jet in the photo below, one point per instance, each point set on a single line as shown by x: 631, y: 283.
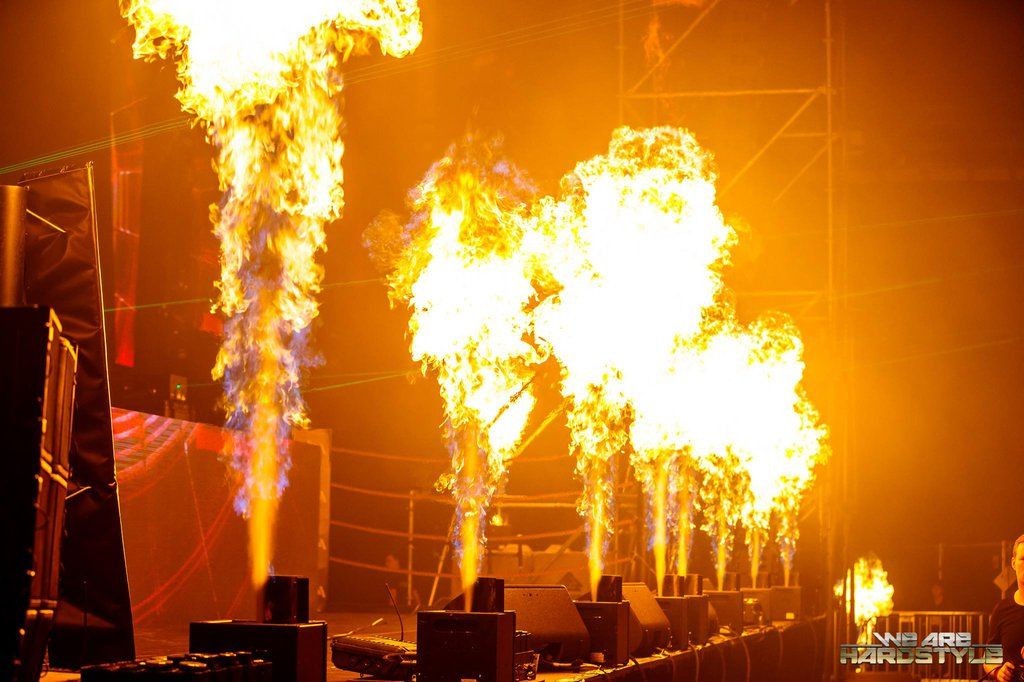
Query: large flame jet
x: 463, y: 269
x: 262, y: 79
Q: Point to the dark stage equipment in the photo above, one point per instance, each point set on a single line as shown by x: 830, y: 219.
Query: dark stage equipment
x: 488, y: 596
x: 675, y: 611
x: 525, y: 661
x: 730, y: 583
x: 683, y: 585
x: 296, y: 646
x: 93, y: 622
x: 547, y: 612
x: 698, y: 608
x: 286, y: 599
x: 649, y: 629
x: 785, y: 602
x: 37, y: 375
x: 230, y: 665
x: 728, y: 607
x: 453, y: 646
x: 607, y: 623
x: 297, y: 651
x: 609, y: 588
x: 380, y: 657
x: 763, y: 596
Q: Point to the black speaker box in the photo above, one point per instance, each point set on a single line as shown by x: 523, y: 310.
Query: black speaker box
x: 728, y: 604
x: 297, y: 651
x: 549, y: 614
x: 785, y: 603
x: 37, y: 375
x: 607, y: 623
x: 676, y: 612
x: 454, y: 646
x: 697, y: 606
x: 649, y: 629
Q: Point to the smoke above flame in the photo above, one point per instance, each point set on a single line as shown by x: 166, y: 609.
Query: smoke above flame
x: 462, y: 267
x: 872, y: 595
x: 262, y: 79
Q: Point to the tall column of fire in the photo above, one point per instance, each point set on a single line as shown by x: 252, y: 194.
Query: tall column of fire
x: 461, y: 268
x: 262, y: 79
x: 637, y: 247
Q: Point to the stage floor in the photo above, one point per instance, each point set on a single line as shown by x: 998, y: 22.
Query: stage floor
x: 790, y: 653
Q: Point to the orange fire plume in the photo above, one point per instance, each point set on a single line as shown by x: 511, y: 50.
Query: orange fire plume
x: 742, y: 416
x: 635, y: 245
x: 461, y: 267
x: 781, y: 438
x: 872, y: 595
x: 261, y: 77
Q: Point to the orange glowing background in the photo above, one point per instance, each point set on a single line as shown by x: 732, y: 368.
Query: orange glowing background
x: 922, y: 393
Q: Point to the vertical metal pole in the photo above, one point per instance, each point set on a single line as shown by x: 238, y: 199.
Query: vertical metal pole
x: 409, y: 548
x: 838, y: 502
x: 13, y: 200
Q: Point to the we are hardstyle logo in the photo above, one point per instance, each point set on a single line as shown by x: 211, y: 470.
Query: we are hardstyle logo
x: 903, y: 648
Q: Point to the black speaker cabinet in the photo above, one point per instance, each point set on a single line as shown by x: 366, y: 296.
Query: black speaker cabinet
x: 37, y: 375
x: 697, y: 618
x: 549, y: 614
x: 297, y: 651
x: 676, y: 612
x: 454, y: 646
x: 648, y: 626
x: 728, y: 604
x: 607, y: 623
x: 785, y: 603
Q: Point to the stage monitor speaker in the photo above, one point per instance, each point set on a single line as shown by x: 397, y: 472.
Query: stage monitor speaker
x: 728, y: 604
x: 649, y: 629
x: 454, y: 646
x: 37, y: 374
x: 547, y: 612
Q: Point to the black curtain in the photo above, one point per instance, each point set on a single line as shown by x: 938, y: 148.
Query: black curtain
x: 94, y: 618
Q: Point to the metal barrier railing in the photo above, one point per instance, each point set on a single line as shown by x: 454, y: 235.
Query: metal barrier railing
x: 926, y: 622
x: 409, y: 500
